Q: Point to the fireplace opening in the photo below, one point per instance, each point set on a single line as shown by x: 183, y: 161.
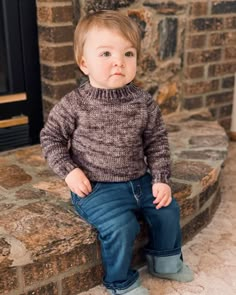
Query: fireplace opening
x: 21, y: 116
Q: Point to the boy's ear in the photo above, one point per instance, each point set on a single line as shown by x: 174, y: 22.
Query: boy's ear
x: 83, y: 66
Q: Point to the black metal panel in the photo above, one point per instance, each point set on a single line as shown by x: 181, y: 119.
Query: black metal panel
x: 28, y: 16
x: 13, y: 109
x: 13, y: 47
x: 4, y: 86
x: 13, y: 137
x: 20, y: 68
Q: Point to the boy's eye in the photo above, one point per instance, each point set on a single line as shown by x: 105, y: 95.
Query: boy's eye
x: 129, y: 53
x: 106, y: 53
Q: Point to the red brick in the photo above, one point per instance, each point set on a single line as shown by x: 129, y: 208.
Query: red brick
x: 230, y: 22
x: 230, y: 53
x: 56, y: 34
x: 54, y: 1
x: 228, y: 82
x: 57, y: 91
x: 201, y: 87
x: 219, y: 98
x: 199, y: 8
x: 223, y: 7
x: 56, y: 53
x: 57, y: 14
x: 222, y: 69
x: 203, y: 56
x: 58, y: 73
x: 206, y: 24
x: 194, y: 72
x: 193, y: 103
x: 197, y: 41
x: 221, y: 39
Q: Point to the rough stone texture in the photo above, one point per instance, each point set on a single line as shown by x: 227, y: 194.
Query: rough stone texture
x: 71, y: 285
x: 44, y: 290
x: 13, y: 176
x: 207, y: 24
x: 43, y: 241
x: 167, y: 29
x: 92, y: 5
x: 166, y: 8
x: 222, y: 7
x: 8, y: 279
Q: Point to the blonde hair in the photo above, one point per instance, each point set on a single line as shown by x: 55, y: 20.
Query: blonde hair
x: 110, y: 19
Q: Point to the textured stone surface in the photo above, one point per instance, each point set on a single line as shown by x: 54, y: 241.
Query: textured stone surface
x: 13, y: 176
x: 8, y: 280
x: 190, y: 170
x: 41, y: 226
x: 43, y: 241
x: 167, y: 29
x: 170, y: 7
x: 51, y: 289
x: 84, y: 280
x: 96, y: 5
x: 222, y: 7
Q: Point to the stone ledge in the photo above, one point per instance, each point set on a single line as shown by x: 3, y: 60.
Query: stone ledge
x: 46, y: 249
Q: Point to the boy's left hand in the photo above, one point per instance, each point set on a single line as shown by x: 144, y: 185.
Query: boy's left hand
x: 162, y: 194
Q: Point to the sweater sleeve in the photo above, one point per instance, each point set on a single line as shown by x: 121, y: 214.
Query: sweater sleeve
x: 55, y: 137
x: 156, y: 146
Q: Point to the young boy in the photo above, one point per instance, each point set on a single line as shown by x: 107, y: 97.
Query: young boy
x: 103, y: 138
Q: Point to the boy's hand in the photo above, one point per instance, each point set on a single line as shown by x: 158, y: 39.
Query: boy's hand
x: 162, y: 194
x: 78, y: 182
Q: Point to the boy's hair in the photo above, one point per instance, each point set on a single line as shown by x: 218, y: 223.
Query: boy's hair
x: 110, y: 19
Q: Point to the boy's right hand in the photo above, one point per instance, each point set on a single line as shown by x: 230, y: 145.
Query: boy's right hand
x: 78, y: 183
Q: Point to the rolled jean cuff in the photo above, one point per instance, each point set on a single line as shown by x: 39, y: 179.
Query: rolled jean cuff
x: 163, y: 253
x: 121, y: 288
x: 164, y: 265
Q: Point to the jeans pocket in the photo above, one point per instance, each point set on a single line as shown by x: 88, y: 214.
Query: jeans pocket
x: 78, y: 201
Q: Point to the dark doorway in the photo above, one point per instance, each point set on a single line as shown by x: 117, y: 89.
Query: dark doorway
x: 21, y: 116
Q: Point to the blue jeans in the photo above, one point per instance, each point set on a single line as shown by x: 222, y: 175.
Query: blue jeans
x: 111, y: 208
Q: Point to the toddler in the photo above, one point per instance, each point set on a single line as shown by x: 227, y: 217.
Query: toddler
x: 107, y: 139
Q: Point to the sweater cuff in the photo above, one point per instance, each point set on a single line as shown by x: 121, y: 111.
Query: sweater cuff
x: 66, y: 169
x: 161, y: 178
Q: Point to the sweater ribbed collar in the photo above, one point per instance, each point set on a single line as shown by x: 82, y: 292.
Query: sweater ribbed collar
x: 127, y: 92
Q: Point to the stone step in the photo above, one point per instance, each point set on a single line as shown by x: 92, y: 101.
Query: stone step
x: 46, y: 249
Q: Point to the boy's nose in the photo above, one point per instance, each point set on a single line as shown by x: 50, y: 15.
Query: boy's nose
x: 118, y: 62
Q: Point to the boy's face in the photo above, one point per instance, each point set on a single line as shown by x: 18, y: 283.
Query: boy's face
x: 108, y: 59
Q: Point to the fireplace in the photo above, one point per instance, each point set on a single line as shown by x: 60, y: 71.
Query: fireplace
x: 20, y: 88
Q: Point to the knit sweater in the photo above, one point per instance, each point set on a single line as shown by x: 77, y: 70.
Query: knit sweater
x: 113, y: 135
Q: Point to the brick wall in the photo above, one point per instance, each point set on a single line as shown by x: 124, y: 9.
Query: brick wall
x: 188, y: 58
x: 210, y: 58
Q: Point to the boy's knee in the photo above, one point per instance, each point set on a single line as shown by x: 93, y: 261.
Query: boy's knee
x: 171, y: 212
x: 124, y: 227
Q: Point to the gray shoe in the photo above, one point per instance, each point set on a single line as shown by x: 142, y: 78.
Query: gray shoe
x: 136, y: 291
x: 183, y: 275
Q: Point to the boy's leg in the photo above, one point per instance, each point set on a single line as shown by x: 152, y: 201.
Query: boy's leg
x: 110, y: 209
x: 163, y: 251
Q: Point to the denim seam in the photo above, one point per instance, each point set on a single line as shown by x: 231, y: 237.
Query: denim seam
x: 132, y: 187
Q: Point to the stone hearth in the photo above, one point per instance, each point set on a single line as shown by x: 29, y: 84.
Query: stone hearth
x: 46, y: 249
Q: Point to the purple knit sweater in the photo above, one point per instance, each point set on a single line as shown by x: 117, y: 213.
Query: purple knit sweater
x: 111, y: 134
